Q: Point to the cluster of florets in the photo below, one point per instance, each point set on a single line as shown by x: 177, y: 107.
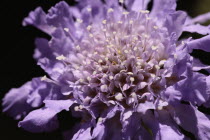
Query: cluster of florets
x: 120, y: 69
x: 121, y: 58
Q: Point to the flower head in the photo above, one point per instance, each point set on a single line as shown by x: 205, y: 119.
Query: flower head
x: 118, y: 67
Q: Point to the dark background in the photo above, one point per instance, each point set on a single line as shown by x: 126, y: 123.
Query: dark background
x: 16, y: 49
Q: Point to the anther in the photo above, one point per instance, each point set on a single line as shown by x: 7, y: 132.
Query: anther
x: 100, y: 119
x: 110, y: 10
x: 79, y: 20
x: 44, y: 78
x: 88, y: 78
x: 100, y: 61
x: 154, y: 48
x: 111, y: 77
x: 125, y: 13
x: 78, y: 47
x: 89, y: 9
x: 61, y: 57
x: 144, y: 11
x: 89, y: 27
x: 155, y: 27
x: 76, y: 108
x: 104, y: 88
x: 125, y: 51
x: 131, y: 21
x: 119, y: 96
x: 91, y: 35
x: 132, y: 79
x: 80, y: 107
x: 104, y: 21
x: 121, y: 1
x: 162, y: 62
x: 66, y: 29
x: 100, y: 69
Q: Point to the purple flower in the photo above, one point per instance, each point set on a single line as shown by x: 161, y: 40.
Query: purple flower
x: 119, y: 68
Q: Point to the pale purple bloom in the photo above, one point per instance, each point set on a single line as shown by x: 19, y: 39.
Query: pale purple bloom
x: 118, y: 67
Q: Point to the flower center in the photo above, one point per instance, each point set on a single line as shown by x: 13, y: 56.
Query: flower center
x: 122, y: 58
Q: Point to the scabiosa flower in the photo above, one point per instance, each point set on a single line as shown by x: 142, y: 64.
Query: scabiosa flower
x: 119, y: 68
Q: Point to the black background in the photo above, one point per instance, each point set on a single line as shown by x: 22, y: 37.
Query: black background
x: 16, y: 63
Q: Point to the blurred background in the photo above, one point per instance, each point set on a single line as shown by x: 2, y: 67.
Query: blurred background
x: 17, y: 45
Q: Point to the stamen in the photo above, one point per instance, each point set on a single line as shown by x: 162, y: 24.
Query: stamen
x: 155, y: 27
x: 162, y: 62
x: 61, y: 57
x: 125, y: 13
x: 91, y: 35
x: 76, y: 108
x: 104, y: 21
x: 89, y: 9
x: 44, y: 78
x: 119, y: 96
x: 110, y: 10
x: 100, y: 119
x: 121, y: 1
x: 78, y: 47
x: 132, y: 79
x: 131, y: 21
x: 120, y: 22
x: 111, y: 77
x: 144, y: 11
x: 89, y: 27
x: 66, y: 29
x: 79, y: 20
x: 154, y: 48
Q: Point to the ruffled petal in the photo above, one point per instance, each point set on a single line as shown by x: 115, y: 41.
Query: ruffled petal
x: 202, y: 44
x: 58, y: 105
x: 98, y: 11
x: 112, y: 3
x: 133, y: 128
x: 198, y: 65
x: 168, y: 127
x: 40, y: 120
x: 172, y: 95
x: 42, y: 91
x: 62, y: 41
x: 197, y: 28
x: 161, y: 7
x: 102, y: 130
x: 45, y: 119
x: 207, y: 104
x: 98, y: 132
x: 18, y: 102
x: 54, y: 70
x: 43, y: 50
x: 194, y: 88
x: 39, y: 93
x: 137, y: 5
x: 143, y: 107
x: 201, y: 18
x: 83, y: 133
x: 46, y: 57
x: 175, y: 21
x: 14, y: 103
x: 190, y: 119
x: 37, y: 18
x: 61, y: 16
x: 160, y: 125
